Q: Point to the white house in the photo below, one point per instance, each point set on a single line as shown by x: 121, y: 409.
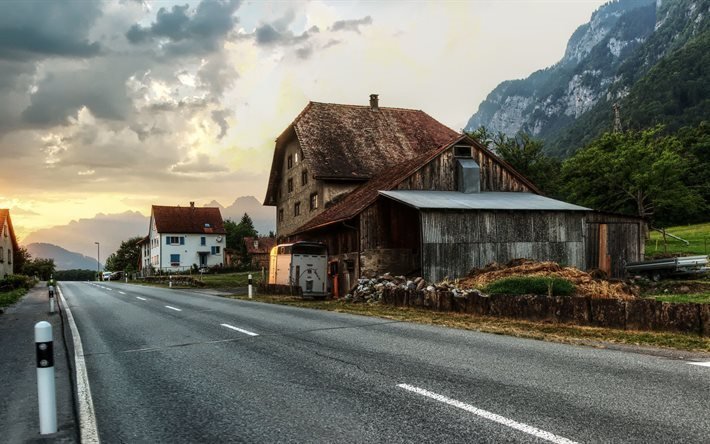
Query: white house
x: 8, y: 243
x: 180, y: 237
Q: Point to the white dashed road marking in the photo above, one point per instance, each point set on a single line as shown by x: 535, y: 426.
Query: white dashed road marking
x: 121, y: 292
x: 246, y: 332
x: 530, y: 430
x: 142, y: 299
x: 703, y: 364
x: 172, y: 308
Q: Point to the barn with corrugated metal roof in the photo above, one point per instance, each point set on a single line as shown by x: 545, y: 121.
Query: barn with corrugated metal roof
x: 447, y: 208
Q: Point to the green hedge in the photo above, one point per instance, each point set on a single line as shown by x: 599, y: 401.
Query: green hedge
x: 530, y: 285
x: 15, y: 281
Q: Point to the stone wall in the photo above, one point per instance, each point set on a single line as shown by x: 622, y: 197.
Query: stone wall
x: 638, y: 314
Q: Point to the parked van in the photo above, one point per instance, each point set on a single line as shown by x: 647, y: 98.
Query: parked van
x: 106, y: 276
x: 302, y: 264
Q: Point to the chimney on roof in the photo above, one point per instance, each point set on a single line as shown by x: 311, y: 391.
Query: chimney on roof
x: 192, y: 204
x: 374, y: 102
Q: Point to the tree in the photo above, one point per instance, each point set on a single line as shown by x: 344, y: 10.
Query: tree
x: 126, y: 258
x: 42, y: 268
x: 236, y: 234
x: 19, y: 258
x: 634, y: 173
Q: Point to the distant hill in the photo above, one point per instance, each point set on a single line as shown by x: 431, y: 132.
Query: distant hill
x: 648, y: 56
x: 63, y: 259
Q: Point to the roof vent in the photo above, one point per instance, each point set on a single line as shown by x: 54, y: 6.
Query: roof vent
x: 374, y: 101
x: 468, y: 176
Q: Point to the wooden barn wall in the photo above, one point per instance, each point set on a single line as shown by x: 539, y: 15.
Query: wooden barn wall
x: 389, y: 239
x: 456, y: 242
x: 625, y: 241
x: 440, y: 174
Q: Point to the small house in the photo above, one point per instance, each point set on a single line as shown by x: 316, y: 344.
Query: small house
x: 8, y: 244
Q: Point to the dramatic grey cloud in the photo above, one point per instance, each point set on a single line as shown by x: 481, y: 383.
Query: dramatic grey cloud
x: 57, y: 28
x: 189, y: 34
x: 351, y: 25
x: 220, y: 118
x: 268, y: 34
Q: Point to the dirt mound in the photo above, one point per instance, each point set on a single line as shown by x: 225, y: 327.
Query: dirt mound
x: 586, y: 284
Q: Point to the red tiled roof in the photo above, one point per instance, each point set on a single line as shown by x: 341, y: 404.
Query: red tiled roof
x: 366, y: 194
x: 350, y: 142
x: 265, y: 245
x: 5, y: 215
x: 188, y: 220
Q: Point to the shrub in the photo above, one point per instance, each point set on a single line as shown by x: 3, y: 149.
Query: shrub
x: 531, y: 285
x: 15, y: 281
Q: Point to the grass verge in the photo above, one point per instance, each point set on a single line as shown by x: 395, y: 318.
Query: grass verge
x: 10, y: 297
x: 570, y: 334
x: 698, y: 298
x: 697, y: 235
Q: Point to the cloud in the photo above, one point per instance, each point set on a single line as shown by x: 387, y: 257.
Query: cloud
x: 199, y: 165
x: 18, y: 211
x: 267, y: 34
x: 201, y: 32
x: 220, y: 118
x: 351, y: 25
x: 29, y: 30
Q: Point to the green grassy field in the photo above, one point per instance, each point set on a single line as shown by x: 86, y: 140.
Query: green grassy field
x: 231, y: 280
x: 698, y: 236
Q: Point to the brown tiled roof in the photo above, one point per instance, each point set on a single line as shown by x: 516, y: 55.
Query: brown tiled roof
x: 350, y: 142
x: 366, y: 194
x: 188, y: 220
x: 5, y: 215
x: 265, y: 245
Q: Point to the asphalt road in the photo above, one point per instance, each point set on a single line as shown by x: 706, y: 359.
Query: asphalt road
x: 175, y: 366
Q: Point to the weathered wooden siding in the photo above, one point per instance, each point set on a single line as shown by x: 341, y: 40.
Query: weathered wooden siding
x: 456, y: 242
x: 440, y: 174
x: 625, y: 241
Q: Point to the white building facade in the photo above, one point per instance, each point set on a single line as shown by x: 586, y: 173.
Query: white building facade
x: 181, y: 238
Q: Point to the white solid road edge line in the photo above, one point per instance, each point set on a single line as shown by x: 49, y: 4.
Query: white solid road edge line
x: 703, y: 364
x: 88, y: 431
x: 246, y: 332
x: 172, y: 308
x: 490, y: 416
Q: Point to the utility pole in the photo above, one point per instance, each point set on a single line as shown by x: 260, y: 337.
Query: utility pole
x: 98, y: 261
x: 617, y: 118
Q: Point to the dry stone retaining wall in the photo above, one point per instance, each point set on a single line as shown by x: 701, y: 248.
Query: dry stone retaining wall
x: 637, y: 314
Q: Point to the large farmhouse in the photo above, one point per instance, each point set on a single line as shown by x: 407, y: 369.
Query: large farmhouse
x: 393, y: 190
x: 182, y: 237
x: 8, y: 244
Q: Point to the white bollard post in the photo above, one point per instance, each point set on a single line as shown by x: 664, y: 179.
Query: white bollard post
x: 51, y: 299
x: 46, y: 391
x: 250, y: 287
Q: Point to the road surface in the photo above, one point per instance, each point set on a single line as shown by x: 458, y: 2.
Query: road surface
x: 175, y: 366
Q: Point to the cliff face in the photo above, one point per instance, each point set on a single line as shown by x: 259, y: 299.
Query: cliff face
x: 604, y: 60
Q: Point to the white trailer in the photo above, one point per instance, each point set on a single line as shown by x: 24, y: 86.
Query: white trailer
x: 301, y: 264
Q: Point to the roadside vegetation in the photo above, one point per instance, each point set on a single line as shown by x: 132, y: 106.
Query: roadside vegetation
x: 570, y: 334
x: 553, y: 286
x: 13, y: 287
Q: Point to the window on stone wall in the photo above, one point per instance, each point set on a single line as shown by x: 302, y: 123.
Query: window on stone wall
x: 290, y: 185
x: 295, y: 158
x: 304, y: 177
x: 314, y: 201
x: 289, y: 162
x: 297, y: 209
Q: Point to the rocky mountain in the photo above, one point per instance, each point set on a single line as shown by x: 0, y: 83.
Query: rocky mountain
x: 609, y: 60
x: 63, y: 259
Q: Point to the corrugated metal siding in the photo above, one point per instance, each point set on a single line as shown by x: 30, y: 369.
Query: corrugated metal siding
x: 456, y: 242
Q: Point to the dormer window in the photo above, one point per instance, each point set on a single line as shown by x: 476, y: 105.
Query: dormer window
x: 462, y: 151
x: 207, y: 225
x: 256, y: 244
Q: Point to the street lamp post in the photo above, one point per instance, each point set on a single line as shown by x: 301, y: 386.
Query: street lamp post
x: 98, y: 261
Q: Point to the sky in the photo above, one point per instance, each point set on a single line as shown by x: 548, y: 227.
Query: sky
x: 114, y: 106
